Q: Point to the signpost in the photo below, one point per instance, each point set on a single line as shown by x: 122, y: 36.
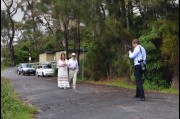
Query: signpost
x: 29, y: 57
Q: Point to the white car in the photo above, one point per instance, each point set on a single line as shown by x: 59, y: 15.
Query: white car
x: 44, y: 70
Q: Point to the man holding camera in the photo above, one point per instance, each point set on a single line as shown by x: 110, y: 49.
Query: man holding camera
x: 139, y: 56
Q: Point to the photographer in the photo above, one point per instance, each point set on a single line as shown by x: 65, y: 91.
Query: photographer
x: 139, y: 56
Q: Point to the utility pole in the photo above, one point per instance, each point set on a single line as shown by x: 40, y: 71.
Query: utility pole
x: 83, y: 65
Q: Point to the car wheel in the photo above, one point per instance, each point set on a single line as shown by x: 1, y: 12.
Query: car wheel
x: 18, y: 72
x: 37, y: 74
x: 23, y: 73
x: 43, y: 74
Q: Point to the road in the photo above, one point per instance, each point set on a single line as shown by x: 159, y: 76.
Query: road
x: 90, y: 101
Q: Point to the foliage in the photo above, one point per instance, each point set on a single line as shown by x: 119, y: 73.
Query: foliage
x: 94, y: 67
x: 55, y: 71
x: 170, y: 40
x: 22, y: 53
x: 3, y: 67
x: 12, y: 107
x: 154, y: 65
x: 170, y: 50
x: 110, y: 41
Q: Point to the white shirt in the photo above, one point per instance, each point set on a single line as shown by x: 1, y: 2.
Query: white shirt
x: 73, y: 63
x: 136, y: 55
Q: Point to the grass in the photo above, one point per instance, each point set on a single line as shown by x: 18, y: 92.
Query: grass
x: 170, y: 91
x: 125, y: 84
x: 11, y: 106
x: 3, y: 67
x: 118, y: 83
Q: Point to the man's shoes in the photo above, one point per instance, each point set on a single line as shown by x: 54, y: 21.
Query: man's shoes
x: 74, y: 87
x: 142, y: 99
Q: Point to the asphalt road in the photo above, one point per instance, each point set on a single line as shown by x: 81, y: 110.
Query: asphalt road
x: 90, y: 101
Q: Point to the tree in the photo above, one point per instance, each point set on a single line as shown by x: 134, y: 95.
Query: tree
x: 10, y: 10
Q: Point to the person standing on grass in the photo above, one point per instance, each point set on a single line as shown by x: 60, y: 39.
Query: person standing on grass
x: 63, y: 81
x: 73, y: 70
x: 139, y: 56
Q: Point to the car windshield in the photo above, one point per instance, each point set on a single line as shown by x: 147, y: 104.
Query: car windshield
x: 47, y: 67
x: 26, y: 65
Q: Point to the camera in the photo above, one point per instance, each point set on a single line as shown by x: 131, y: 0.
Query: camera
x: 143, y: 67
x: 129, y: 47
x: 140, y: 60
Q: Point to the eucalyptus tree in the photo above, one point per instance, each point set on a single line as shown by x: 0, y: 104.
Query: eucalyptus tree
x: 11, y: 7
x: 67, y: 16
x: 32, y: 24
x: 59, y: 23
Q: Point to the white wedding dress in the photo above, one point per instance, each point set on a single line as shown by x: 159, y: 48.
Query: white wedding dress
x: 63, y: 80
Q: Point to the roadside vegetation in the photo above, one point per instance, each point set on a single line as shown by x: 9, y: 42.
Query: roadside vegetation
x: 3, y: 67
x: 124, y: 84
x: 11, y: 106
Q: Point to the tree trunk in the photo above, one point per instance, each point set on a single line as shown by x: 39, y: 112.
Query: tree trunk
x: 142, y: 12
x: 123, y: 11
x: 11, y: 37
x: 66, y: 39
x: 75, y: 40
x: 78, y: 41
x: 130, y: 13
x: 13, y: 63
x: 175, y: 78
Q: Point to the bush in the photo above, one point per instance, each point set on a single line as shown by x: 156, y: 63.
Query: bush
x: 151, y: 85
x: 55, y: 71
x: 154, y: 64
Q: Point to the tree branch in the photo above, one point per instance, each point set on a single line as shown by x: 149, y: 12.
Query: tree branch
x: 48, y: 25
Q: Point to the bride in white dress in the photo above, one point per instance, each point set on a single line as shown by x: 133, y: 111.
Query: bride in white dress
x: 63, y: 81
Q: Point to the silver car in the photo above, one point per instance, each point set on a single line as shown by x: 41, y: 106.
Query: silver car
x: 25, y: 68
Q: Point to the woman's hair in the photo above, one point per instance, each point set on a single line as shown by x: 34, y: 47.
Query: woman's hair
x: 135, y: 41
x: 62, y: 55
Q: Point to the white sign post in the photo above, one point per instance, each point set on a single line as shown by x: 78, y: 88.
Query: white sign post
x: 29, y: 59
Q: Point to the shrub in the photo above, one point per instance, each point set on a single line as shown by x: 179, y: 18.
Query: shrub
x: 55, y: 71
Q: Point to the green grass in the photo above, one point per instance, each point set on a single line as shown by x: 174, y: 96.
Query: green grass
x: 3, y: 67
x: 118, y: 83
x: 124, y: 84
x: 11, y: 106
x: 170, y: 91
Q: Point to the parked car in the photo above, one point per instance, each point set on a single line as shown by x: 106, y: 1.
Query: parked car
x: 25, y: 68
x: 44, y: 70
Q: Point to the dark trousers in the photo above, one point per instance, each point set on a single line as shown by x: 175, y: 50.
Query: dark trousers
x: 139, y: 83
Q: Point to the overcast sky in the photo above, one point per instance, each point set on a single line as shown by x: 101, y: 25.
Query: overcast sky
x: 18, y: 16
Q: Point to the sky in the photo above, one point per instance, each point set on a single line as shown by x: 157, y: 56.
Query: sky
x: 18, y: 16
